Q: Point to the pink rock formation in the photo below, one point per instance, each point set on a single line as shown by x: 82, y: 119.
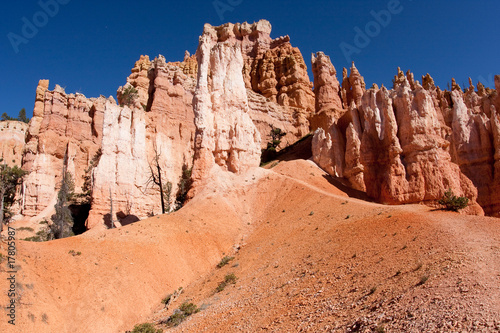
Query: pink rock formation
x: 12, y: 139
x: 127, y: 136
x: 276, y: 70
x: 474, y: 141
x: 225, y: 134
x: 327, y: 92
x: 132, y: 136
x: 62, y: 123
x: 353, y: 87
x: 393, y: 143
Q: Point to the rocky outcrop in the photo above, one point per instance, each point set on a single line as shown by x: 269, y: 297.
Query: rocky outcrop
x: 127, y: 138
x: 12, y: 139
x: 327, y: 92
x: 276, y: 70
x: 135, y: 137
x: 62, y: 124
x: 392, y: 143
x: 474, y: 139
x: 225, y: 135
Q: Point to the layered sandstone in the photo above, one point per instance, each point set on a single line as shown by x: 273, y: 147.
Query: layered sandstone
x: 12, y: 139
x: 62, y: 124
x: 276, y: 70
x: 225, y: 135
x: 474, y: 139
x: 158, y: 128
x: 127, y: 138
x: 392, y: 143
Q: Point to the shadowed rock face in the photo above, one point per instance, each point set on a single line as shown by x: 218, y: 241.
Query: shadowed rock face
x: 412, y: 143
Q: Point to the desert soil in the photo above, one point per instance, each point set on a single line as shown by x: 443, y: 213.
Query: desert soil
x: 307, y: 257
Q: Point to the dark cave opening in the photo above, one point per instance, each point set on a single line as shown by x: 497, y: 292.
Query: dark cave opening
x: 79, y: 214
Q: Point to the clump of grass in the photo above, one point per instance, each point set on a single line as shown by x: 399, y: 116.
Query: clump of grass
x: 166, y: 299
x: 311, y: 213
x: 146, y: 328
x: 348, y: 216
x: 372, y: 290
x: 25, y: 229
x: 73, y: 253
x: 228, y: 279
x: 185, y: 310
x: 224, y: 261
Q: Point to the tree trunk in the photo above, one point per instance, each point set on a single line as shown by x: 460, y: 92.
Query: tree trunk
x: 161, y: 187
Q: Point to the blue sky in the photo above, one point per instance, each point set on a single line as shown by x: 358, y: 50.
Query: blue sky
x: 90, y: 46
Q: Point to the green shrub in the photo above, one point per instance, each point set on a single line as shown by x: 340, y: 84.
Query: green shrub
x: 146, y: 328
x: 228, y: 279
x: 452, y: 202
x: 224, y: 261
x: 128, y: 96
x: 185, y: 310
x: 25, y: 229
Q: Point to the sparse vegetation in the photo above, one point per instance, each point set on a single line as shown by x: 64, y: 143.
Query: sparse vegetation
x: 62, y: 220
x: 166, y: 299
x: 21, y: 117
x: 10, y: 177
x: 88, y: 180
x: 25, y: 229
x: 73, y: 253
x: 270, y: 152
x: 224, y: 261
x: 184, y: 186
x: 185, y: 310
x: 128, y: 96
x: 146, y: 328
x: 228, y: 279
x: 452, y: 202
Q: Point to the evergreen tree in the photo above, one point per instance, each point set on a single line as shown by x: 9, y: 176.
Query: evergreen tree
x: 62, y: 220
x: 22, y: 116
x: 5, y: 116
x: 10, y: 177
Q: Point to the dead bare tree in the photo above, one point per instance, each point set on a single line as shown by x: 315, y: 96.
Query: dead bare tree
x: 155, y: 177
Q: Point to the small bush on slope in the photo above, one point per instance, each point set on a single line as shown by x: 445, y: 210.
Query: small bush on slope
x: 452, y: 202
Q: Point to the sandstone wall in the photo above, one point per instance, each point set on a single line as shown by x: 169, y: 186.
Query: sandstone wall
x: 12, y: 140
x: 225, y: 135
x: 412, y: 143
x: 61, y: 124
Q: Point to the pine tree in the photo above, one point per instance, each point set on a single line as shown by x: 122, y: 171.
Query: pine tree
x: 22, y: 116
x: 62, y: 220
x: 10, y: 177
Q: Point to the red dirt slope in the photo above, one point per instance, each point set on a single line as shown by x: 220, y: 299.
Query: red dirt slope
x: 310, y: 259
